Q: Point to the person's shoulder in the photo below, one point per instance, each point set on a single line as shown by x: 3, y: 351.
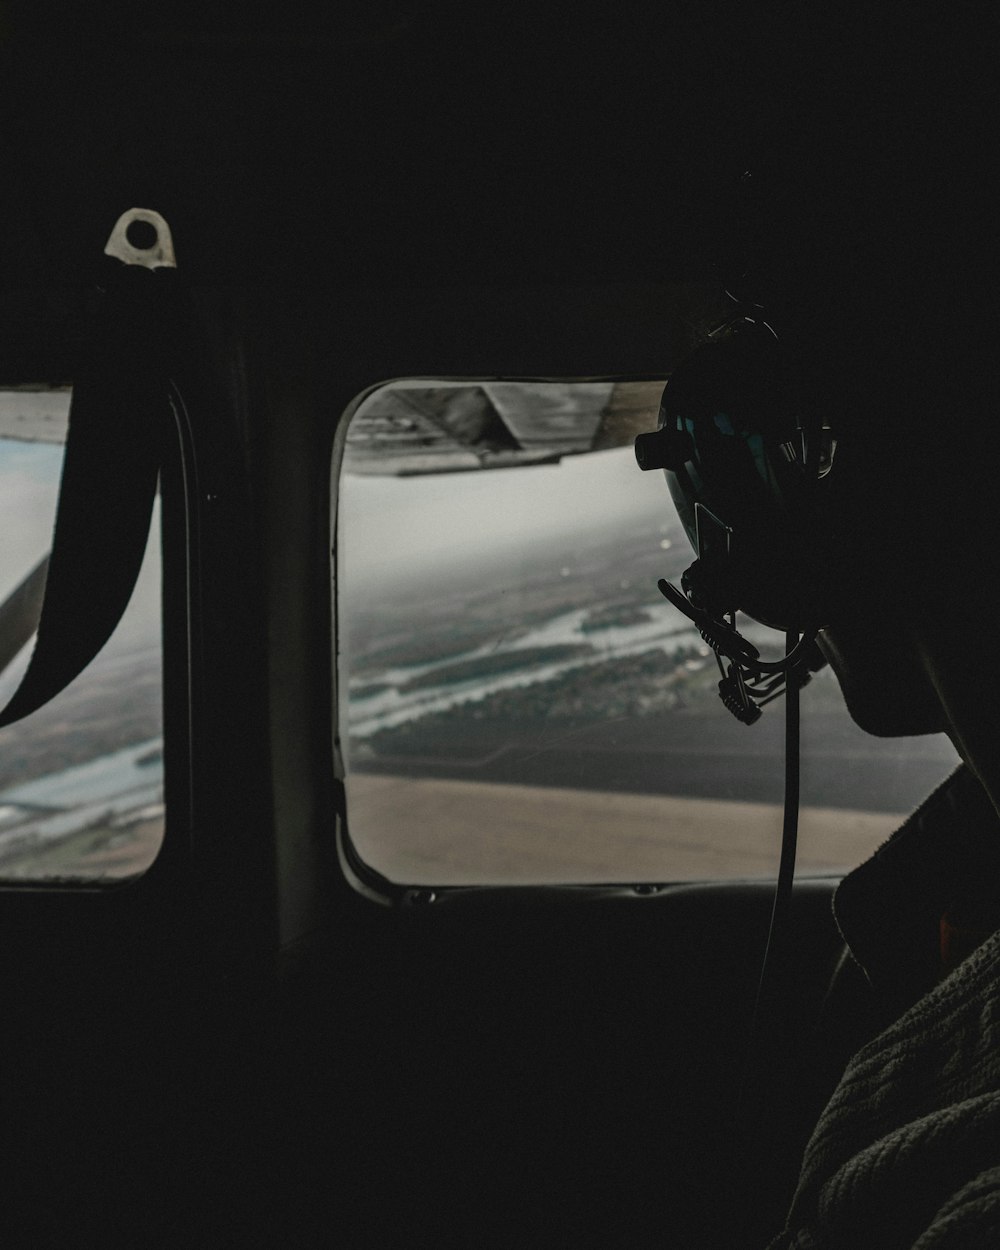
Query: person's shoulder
x: 969, y: 1218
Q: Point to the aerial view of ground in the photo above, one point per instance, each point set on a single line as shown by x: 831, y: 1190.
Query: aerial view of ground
x: 544, y: 714
x: 81, y: 780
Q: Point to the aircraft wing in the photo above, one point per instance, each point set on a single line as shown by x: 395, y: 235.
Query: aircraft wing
x: 20, y: 611
x: 34, y: 416
x: 416, y: 427
x: 28, y: 415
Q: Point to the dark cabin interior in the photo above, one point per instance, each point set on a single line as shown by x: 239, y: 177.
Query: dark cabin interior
x: 251, y: 1044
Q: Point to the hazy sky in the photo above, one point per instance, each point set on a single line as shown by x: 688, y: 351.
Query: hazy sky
x: 391, y: 525
x: 394, y: 526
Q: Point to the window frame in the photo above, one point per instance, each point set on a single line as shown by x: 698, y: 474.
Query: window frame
x: 178, y: 522
x: 369, y: 881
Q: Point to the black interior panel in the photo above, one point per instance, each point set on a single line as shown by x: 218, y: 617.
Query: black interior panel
x: 242, y: 1048
x: 501, y: 1069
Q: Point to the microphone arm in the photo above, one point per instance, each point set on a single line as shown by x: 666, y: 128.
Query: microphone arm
x: 747, y: 682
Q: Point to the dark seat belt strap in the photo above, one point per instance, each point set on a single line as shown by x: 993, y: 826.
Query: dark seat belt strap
x: 119, y: 414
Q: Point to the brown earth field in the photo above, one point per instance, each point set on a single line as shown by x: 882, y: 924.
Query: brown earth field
x: 442, y: 831
x: 98, y: 853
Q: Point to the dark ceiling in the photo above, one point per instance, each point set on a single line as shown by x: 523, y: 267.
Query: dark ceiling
x: 422, y: 140
x: 400, y: 141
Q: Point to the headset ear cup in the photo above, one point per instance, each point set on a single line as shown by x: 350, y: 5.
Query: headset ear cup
x: 781, y: 576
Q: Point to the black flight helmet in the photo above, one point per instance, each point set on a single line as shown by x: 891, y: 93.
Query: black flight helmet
x: 742, y: 466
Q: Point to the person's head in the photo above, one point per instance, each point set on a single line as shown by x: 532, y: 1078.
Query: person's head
x: 871, y: 245
x: 866, y: 241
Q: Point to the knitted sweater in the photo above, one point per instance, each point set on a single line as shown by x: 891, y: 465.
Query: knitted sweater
x: 907, y: 1152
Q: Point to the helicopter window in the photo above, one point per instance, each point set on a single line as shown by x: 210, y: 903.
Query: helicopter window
x: 518, y: 704
x: 81, y: 779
